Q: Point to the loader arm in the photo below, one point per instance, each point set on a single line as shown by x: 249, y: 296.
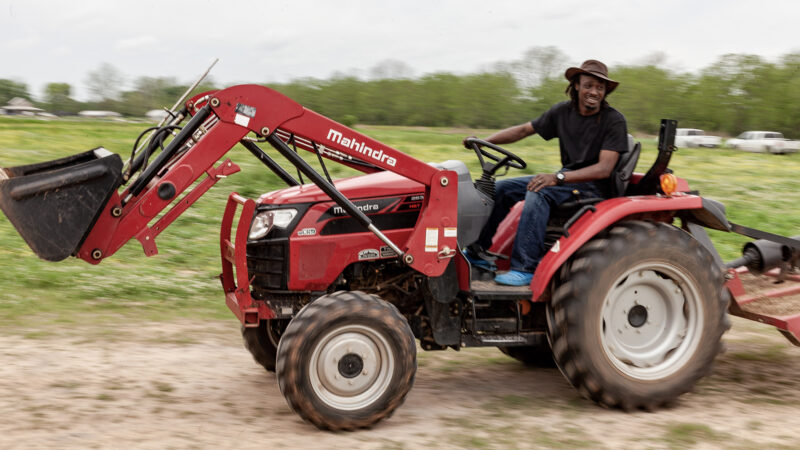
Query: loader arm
x: 223, y: 118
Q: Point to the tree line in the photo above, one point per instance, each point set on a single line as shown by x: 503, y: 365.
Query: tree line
x: 735, y: 93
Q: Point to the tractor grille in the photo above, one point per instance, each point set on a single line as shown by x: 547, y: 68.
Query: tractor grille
x: 267, y: 263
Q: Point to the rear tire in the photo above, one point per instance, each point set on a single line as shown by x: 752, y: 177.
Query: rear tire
x: 346, y: 361
x: 262, y: 341
x: 639, y: 317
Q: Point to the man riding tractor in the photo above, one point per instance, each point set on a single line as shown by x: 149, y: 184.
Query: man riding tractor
x: 591, y: 135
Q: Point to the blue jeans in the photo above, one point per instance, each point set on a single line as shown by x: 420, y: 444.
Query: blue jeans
x: 529, y: 242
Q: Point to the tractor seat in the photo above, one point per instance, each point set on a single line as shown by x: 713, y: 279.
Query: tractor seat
x: 620, y: 178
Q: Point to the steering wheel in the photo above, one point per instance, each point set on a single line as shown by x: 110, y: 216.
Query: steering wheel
x: 508, y: 160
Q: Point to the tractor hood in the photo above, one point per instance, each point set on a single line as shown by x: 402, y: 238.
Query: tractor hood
x: 380, y: 184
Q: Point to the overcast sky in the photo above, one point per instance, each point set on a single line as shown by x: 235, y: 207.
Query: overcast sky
x: 261, y: 41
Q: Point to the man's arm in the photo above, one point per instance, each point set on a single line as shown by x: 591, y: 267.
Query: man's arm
x: 509, y: 135
x: 512, y: 134
x: 598, y: 171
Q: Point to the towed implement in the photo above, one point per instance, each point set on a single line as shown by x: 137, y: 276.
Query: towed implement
x: 335, y: 282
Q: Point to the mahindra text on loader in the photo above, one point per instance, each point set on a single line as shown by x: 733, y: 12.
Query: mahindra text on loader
x: 334, y: 281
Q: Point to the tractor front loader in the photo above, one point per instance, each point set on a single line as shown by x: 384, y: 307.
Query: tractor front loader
x: 334, y: 282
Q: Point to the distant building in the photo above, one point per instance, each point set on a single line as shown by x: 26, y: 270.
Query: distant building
x: 100, y: 114
x: 20, y: 106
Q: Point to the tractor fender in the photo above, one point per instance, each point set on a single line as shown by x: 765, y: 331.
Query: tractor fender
x: 711, y: 215
x: 605, y: 214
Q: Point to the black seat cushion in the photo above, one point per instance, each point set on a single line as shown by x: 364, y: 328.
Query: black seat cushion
x: 623, y: 171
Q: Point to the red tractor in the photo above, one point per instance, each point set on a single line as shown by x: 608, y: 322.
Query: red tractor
x: 334, y: 281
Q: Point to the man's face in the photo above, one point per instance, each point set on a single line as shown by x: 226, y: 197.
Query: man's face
x: 591, y: 91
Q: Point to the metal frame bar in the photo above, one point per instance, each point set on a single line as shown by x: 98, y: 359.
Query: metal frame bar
x: 270, y: 163
x: 328, y: 188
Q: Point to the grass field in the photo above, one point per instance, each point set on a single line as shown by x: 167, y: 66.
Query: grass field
x: 758, y: 190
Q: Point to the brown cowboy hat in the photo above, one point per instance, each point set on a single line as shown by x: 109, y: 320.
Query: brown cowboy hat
x: 595, y: 68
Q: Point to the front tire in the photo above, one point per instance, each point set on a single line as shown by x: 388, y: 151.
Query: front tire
x: 639, y: 317
x: 262, y: 341
x: 346, y: 361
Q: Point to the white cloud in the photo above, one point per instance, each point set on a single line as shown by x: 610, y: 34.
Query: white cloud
x: 21, y: 43
x: 278, y: 40
x: 62, y: 50
x: 135, y: 42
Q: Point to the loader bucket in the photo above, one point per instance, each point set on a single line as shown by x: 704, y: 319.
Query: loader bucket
x: 54, y: 204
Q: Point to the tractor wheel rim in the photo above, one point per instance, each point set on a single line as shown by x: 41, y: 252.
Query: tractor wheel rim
x: 351, y: 367
x: 274, y: 333
x: 651, y: 321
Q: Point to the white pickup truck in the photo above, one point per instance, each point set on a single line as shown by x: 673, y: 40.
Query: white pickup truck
x: 764, y: 142
x: 692, y: 137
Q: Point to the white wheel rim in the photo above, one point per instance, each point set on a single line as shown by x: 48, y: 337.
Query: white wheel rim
x: 351, y: 367
x: 651, y: 321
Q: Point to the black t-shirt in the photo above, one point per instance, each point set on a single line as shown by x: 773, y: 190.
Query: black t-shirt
x: 581, y: 138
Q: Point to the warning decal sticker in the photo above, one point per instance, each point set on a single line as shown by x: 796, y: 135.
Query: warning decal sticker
x: 242, y: 120
x: 431, y: 239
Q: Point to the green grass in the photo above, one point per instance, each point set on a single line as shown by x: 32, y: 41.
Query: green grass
x: 685, y: 435
x: 771, y: 354
x: 759, y: 191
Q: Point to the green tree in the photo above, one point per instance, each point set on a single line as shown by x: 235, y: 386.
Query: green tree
x: 387, y: 101
x: 734, y: 93
x: 547, y: 94
x: 156, y: 93
x: 58, y: 100
x: 436, y: 100
x: 789, y: 92
x: 646, y: 94
x: 10, y: 89
x: 537, y: 65
x: 490, y: 100
x: 391, y: 69
x: 148, y: 93
x: 105, y: 83
x: 341, y: 97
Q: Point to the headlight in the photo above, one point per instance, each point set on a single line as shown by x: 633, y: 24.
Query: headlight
x: 263, y: 222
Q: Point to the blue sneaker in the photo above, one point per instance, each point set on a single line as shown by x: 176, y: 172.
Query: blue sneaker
x: 514, y: 278
x: 479, y: 262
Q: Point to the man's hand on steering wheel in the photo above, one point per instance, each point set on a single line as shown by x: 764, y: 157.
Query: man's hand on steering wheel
x: 466, y: 142
x: 508, y: 159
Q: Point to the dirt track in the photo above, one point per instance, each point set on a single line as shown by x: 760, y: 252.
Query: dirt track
x: 176, y: 385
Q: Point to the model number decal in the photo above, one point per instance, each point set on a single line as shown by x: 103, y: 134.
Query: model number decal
x: 245, y: 110
x: 368, y: 253
x: 243, y: 114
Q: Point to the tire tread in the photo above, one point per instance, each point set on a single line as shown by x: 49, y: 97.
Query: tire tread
x: 310, y: 324
x: 570, y: 303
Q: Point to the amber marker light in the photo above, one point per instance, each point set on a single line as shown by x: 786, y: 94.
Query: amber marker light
x: 669, y: 183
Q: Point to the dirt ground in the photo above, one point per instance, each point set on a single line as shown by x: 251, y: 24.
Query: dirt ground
x: 180, y: 385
